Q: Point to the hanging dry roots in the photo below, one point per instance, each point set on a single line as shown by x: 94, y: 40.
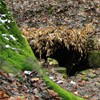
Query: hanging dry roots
x: 48, y: 40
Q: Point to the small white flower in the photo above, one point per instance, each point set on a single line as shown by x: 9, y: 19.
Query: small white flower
x: 7, y: 46
x: 3, y: 15
x: 11, y: 36
x: 3, y: 20
x: 8, y: 27
x: 6, y: 38
x: 13, y: 48
x: 4, y: 34
x: 8, y: 21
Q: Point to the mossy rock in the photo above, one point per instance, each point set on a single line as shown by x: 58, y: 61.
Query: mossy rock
x: 15, y: 53
x: 61, y: 70
x: 52, y: 62
x: 84, y: 72
x: 94, y: 59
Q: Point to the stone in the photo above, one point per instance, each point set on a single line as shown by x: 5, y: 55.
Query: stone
x: 85, y: 78
x: 91, y: 75
x: 52, y: 62
x: 61, y: 70
x: 93, y: 59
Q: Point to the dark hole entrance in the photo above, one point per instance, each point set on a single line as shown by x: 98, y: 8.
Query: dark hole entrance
x: 70, y: 59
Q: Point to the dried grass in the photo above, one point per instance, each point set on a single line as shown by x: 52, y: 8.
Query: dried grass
x: 48, y: 40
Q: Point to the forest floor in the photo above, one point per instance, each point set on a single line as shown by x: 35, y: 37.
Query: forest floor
x: 42, y: 13
x: 85, y: 84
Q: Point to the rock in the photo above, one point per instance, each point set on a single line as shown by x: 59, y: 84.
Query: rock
x: 52, y: 61
x: 27, y: 72
x: 61, y: 70
x: 73, y: 83
x: 85, y: 78
x: 94, y: 59
x: 84, y: 72
x: 91, y: 75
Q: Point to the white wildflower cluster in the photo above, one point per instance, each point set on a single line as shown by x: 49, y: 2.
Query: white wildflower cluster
x: 7, y: 37
x: 9, y: 47
x: 12, y: 37
x: 3, y: 20
x: 8, y: 27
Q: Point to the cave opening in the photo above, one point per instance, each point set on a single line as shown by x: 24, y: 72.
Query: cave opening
x: 70, y: 59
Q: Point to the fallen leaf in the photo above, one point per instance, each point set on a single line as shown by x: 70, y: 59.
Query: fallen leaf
x: 34, y: 79
x: 36, y: 97
x: 52, y: 93
x: 86, y: 96
x: 59, y: 82
x: 11, y: 98
x: 3, y: 95
x: 76, y: 92
x: 3, y: 74
x: 51, y: 77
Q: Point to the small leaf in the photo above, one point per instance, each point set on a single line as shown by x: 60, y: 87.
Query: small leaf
x: 52, y: 93
x: 34, y: 79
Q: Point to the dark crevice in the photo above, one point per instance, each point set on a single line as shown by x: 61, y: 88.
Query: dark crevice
x: 70, y: 59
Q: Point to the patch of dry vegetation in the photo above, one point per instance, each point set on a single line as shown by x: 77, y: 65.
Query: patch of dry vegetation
x: 48, y: 40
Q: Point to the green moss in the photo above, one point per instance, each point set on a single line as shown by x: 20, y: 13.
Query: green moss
x: 61, y: 70
x: 15, y: 52
x: 85, y: 72
x: 85, y: 78
x: 63, y: 93
x: 94, y: 59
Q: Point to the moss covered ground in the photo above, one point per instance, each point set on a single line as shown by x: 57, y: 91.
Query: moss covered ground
x: 14, y: 50
x: 94, y: 59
